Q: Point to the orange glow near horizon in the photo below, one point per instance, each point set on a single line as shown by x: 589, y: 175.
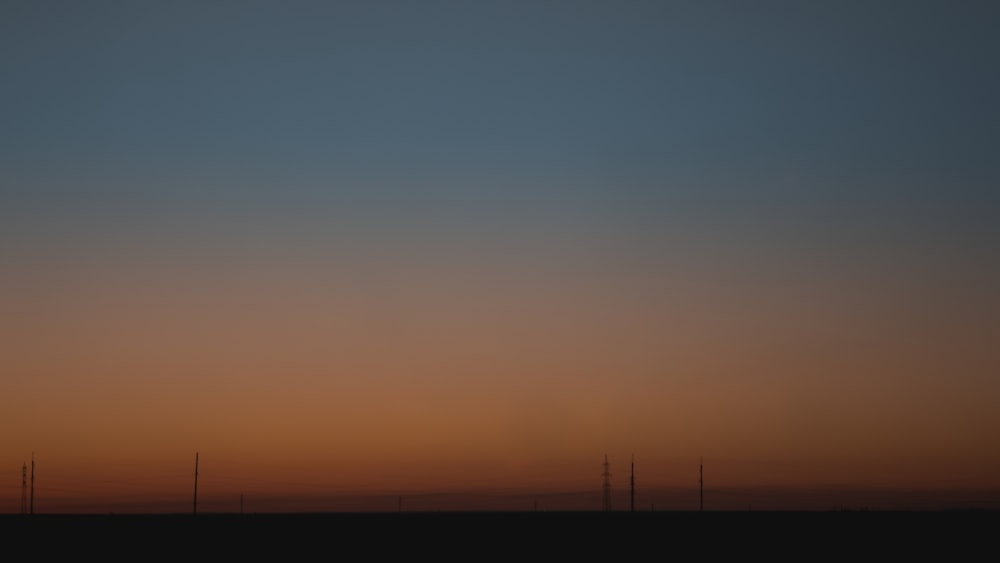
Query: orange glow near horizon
x: 469, y: 387
x: 458, y: 253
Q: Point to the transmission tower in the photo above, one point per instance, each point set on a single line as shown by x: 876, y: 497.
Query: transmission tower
x: 701, y: 485
x: 632, y: 487
x: 607, y: 484
x: 24, y: 489
x: 195, y: 482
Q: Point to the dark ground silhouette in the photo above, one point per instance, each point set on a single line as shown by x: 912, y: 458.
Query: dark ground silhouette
x: 891, y: 535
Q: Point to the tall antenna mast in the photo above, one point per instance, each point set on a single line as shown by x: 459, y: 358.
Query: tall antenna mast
x: 32, y: 509
x: 196, y: 482
x: 701, y: 485
x: 607, y: 484
x: 24, y: 488
x: 632, y: 494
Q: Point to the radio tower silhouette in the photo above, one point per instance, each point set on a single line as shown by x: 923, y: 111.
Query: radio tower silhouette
x: 195, y: 508
x: 701, y: 485
x: 607, y: 484
x: 24, y: 489
x: 632, y: 487
x: 31, y: 506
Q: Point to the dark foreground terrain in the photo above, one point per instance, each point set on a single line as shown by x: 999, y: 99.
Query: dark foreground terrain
x: 510, y: 535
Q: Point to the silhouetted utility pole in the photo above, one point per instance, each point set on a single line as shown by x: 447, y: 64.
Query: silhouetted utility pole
x: 607, y: 484
x: 32, y: 508
x: 241, y: 503
x: 195, y: 482
x: 632, y: 487
x: 701, y: 485
x: 24, y: 488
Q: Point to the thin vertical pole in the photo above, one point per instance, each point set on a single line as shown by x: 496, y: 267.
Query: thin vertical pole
x: 24, y: 488
x: 701, y: 485
x: 607, y: 484
x: 195, y: 482
x: 632, y: 499
x: 32, y: 510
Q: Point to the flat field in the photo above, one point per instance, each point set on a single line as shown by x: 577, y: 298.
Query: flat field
x: 510, y: 535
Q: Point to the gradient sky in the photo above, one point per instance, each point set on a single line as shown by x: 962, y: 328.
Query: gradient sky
x: 345, y: 248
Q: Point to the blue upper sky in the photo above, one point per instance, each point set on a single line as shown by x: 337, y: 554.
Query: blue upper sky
x: 613, y: 113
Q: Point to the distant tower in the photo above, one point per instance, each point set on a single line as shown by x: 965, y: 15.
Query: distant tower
x: 31, y: 509
x: 701, y: 485
x: 632, y: 487
x: 24, y: 489
x: 196, y: 482
x: 607, y: 484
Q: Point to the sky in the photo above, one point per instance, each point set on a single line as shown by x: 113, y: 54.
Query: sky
x: 386, y: 250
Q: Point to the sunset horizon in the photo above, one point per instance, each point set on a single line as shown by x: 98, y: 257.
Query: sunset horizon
x: 208, y: 492
x: 364, y: 255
